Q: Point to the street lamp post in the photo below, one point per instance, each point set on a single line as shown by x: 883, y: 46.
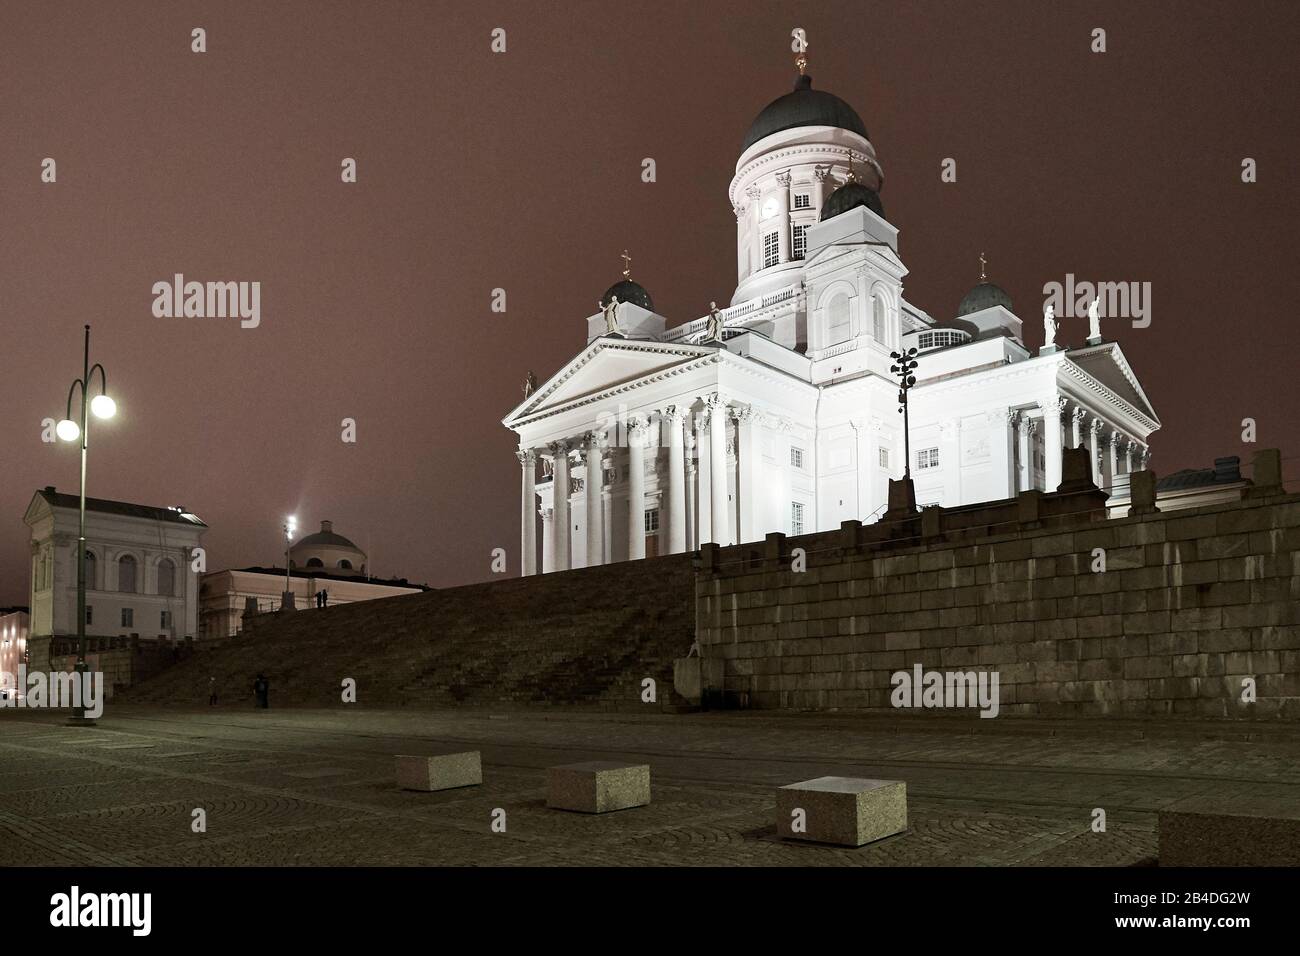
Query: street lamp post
x: 103, y: 407
x: 290, y: 526
x: 906, y: 365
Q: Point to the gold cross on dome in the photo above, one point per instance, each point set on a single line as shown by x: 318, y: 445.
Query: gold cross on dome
x: 983, y: 264
x: 627, y: 264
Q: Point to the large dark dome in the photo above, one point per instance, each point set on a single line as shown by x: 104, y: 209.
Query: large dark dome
x: 984, y: 296
x: 850, y: 196
x: 803, y: 106
x: 629, y: 291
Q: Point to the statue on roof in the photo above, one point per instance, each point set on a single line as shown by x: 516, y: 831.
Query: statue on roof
x: 713, y: 331
x: 1049, y: 325
x: 611, y: 314
x: 1094, y: 318
x: 530, y: 384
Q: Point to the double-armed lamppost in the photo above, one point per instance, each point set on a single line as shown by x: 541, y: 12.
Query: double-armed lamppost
x: 905, y: 360
x: 69, y: 430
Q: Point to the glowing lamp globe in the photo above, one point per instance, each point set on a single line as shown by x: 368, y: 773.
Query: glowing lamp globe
x: 103, y: 406
x: 67, y: 430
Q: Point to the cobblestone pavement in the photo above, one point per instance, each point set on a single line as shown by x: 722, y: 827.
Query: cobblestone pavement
x: 317, y: 788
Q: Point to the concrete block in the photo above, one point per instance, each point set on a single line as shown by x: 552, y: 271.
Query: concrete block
x: 598, y: 786
x: 845, y: 811
x: 439, y: 771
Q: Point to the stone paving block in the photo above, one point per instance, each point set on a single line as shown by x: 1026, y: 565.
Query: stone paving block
x: 1235, y: 831
x: 846, y: 811
x: 439, y: 771
x: 598, y: 786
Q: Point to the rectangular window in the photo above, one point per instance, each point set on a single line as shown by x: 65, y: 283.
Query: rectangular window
x: 796, y: 457
x: 166, y: 619
x: 771, y: 250
x: 883, y: 454
x: 128, y: 617
x: 611, y: 476
x: 927, y: 458
x: 652, y: 521
x: 800, y: 244
x: 796, y: 517
x: 802, y: 201
x: 90, y: 615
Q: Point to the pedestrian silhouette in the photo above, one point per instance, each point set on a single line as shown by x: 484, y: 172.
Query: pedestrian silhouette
x: 262, y: 690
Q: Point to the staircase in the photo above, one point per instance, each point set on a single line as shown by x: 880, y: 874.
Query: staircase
x: 584, y: 637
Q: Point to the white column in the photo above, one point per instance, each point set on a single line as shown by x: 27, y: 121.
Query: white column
x: 528, y: 512
x: 720, y: 506
x: 783, y: 215
x: 548, y: 539
x: 1112, y: 453
x: 1077, y: 417
x: 704, y: 483
x: 1128, y: 457
x: 1052, y: 442
x: 1094, y: 436
x: 692, y: 519
x: 749, y: 474
x: 861, y: 457
x: 593, y: 449
x: 819, y: 187
x: 671, y: 419
x: 1026, y: 453
x: 636, y: 431
x: 562, y: 530
x: 742, y: 239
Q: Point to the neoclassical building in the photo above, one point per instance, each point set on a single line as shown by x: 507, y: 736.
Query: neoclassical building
x: 779, y: 412
x: 140, y: 578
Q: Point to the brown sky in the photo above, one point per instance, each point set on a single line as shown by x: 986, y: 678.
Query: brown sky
x: 522, y: 171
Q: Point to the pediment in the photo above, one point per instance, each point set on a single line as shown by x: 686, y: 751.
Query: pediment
x: 1107, y: 365
x: 605, y: 364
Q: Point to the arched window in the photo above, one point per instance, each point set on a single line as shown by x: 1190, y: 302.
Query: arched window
x: 126, y: 574
x: 315, y: 563
x: 90, y: 570
x: 878, y: 318
x: 837, y: 320
x: 166, y: 577
x: 345, y: 564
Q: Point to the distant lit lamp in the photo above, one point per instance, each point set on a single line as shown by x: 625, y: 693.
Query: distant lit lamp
x: 69, y: 430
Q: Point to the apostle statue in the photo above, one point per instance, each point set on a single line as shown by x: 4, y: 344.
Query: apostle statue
x: 1049, y: 325
x: 611, y: 314
x: 713, y: 331
x: 1094, y: 318
x: 530, y: 384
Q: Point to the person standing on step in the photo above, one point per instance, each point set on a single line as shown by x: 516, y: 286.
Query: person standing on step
x: 212, y: 691
x: 325, y: 597
x: 262, y: 691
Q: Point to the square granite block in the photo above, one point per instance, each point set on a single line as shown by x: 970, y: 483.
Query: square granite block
x: 846, y: 811
x: 439, y: 771
x: 598, y: 786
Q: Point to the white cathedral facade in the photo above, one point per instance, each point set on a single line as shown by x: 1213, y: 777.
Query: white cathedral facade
x: 779, y: 412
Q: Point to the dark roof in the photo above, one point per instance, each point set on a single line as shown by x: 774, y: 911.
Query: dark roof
x: 803, y: 106
x: 325, y: 575
x: 326, y: 539
x: 58, y: 499
x: 984, y: 296
x: 629, y: 291
x: 850, y: 196
x: 1225, y: 472
x: 16, y: 609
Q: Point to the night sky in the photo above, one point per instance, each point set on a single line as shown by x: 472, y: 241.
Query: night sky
x: 522, y: 171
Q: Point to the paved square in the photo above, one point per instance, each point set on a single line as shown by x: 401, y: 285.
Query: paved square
x: 315, y: 787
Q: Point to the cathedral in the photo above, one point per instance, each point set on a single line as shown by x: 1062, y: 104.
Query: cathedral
x: 779, y: 412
